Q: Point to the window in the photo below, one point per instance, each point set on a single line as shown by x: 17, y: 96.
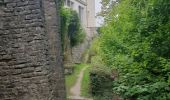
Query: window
x: 65, y: 2
x: 68, y: 3
x: 81, y: 10
x: 71, y: 4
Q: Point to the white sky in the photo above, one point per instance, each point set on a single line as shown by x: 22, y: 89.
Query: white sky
x: 99, y: 20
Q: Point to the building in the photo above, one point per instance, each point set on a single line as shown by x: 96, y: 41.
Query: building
x: 86, y: 12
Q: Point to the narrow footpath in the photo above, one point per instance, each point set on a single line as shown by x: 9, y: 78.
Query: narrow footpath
x: 76, y: 89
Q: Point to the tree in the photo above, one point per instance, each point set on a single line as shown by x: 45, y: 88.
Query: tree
x: 107, y: 6
x: 136, y: 42
x: 72, y: 33
x: 71, y: 27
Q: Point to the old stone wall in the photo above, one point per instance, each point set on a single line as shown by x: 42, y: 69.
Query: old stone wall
x: 79, y: 51
x: 30, y: 50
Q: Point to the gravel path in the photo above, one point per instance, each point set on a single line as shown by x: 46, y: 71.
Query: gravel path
x: 76, y: 89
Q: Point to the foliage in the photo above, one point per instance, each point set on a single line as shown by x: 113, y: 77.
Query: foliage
x: 107, y: 7
x: 101, y: 83
x: 71, y: 27
x: 100, y: 75
x: 136, y: 42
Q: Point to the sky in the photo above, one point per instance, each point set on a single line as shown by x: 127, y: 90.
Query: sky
x: 99, y: 20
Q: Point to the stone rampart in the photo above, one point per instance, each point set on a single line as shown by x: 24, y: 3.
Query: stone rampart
x: 30, y: 50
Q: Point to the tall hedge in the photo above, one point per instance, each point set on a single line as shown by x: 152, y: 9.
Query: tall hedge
x: 136, y: 42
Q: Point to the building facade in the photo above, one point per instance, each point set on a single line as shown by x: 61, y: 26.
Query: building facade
x: 86, y: 12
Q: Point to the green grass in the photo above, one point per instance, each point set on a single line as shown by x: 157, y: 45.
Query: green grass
x: 85, y: 85
x: 71, y: 79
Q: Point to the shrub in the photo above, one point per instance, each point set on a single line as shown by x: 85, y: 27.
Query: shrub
x: 101, y: 83
x: 136, y: 42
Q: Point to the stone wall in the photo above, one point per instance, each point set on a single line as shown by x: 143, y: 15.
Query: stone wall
x: 79, y: 51
x: 30, y: 50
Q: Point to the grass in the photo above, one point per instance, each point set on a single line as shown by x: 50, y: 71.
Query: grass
x: 85, y: 85
x: 71, y: 79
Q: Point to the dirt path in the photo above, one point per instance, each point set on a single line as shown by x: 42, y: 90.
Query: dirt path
x: 76, y: 89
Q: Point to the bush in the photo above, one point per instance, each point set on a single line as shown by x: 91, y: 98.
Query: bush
x: 101, y: 84
x: 136, y: 42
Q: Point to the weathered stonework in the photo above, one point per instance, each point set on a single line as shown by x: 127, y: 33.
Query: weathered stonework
x: 30, y: 50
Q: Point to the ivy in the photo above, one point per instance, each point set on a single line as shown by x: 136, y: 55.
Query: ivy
x: 71, y: 27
